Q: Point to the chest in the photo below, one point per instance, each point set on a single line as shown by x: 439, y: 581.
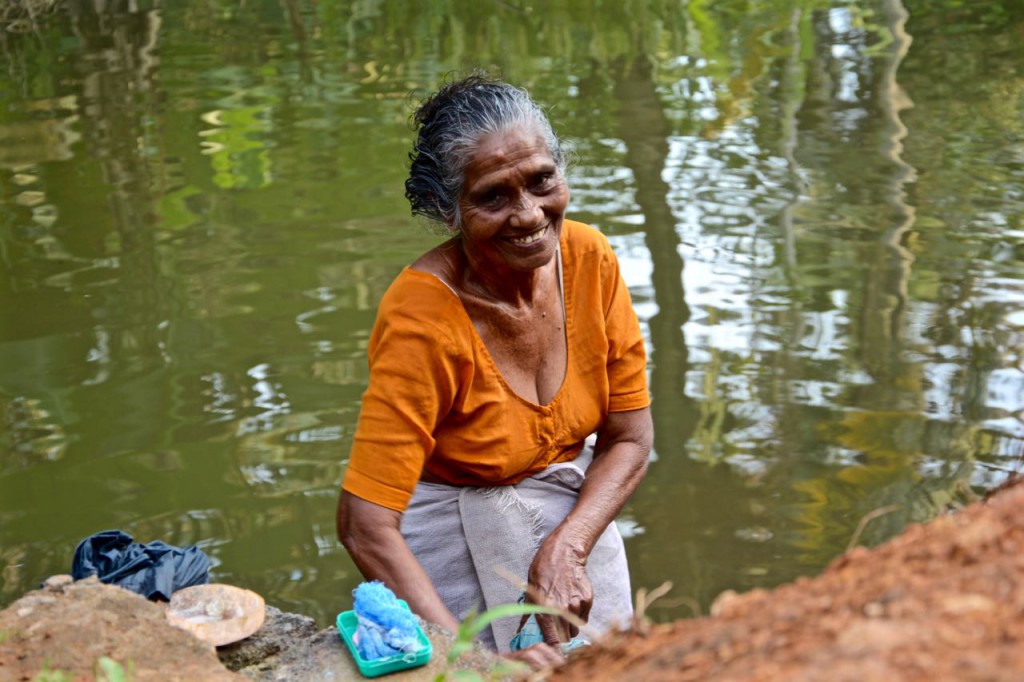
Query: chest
x: 528, y: 347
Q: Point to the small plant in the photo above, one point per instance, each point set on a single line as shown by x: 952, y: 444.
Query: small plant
x: 644, y: 599
x: 47, y: 675
x: 109, y: 670
x: 471, y: 627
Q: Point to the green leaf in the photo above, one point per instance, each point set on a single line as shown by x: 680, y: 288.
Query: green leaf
x: 504, y: 611
x: 458, y: 648
x: 112, y: 670
x: 471, y: 626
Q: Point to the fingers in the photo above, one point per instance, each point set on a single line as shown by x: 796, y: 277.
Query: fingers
x: 550, y: 629
x: 585, y: 604
x: 538, y: 656
x: 569, y: 591
x: 580, y: 604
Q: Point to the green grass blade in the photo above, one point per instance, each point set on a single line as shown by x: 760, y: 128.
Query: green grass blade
x: 506, y: 611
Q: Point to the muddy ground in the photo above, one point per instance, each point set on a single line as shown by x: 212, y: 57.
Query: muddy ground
x: 942, y: 601
x: 62, y: 631
x: 60, y: 634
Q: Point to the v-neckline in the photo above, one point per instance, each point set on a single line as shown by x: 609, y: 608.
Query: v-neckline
x: 560, y: 274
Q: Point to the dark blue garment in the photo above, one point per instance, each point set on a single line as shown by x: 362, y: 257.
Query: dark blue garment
x: 154, y: 570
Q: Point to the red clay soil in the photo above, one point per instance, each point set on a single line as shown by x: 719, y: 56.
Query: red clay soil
x: 942, y: 601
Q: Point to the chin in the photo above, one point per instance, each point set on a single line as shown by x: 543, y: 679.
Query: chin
x: 533, y: 261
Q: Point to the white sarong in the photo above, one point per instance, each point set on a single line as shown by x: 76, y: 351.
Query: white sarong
x: 469, y: 540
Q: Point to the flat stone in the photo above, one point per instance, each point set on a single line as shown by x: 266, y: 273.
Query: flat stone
x: 279, y: 632
x: 292, y: 649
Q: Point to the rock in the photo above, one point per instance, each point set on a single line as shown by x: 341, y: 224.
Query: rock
x: 280, y: 630
x: 57, y: 583
x: 289, y: 647
x: 67, y: 627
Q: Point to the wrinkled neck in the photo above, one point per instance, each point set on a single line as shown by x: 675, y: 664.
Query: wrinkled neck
x: 518, y: 289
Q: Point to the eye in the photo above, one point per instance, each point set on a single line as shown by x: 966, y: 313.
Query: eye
x: 543, y: 181
x: 492, y: 198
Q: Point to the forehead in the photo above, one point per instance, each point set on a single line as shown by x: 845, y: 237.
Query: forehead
x: 506, y: 153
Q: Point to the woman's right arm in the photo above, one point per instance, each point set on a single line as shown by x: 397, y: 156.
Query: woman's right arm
x: 373, y: 539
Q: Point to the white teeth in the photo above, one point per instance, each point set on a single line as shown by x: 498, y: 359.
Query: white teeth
x: 529, y: 239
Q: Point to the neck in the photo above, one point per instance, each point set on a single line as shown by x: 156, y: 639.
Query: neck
x: 518, y: 289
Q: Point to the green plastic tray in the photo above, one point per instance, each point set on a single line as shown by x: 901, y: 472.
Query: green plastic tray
x: 347, y: 624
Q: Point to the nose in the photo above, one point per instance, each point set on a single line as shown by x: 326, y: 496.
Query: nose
x: 526, y: 213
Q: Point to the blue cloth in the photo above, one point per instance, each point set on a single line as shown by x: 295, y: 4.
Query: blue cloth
x: 530, y: 634
x: 155, y: 570
x: 386, y: 628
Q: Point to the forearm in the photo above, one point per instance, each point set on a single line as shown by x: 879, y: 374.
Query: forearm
x: 620, y: 462
x: 375, y: 543
x: 557, y: 574
x: 611, y: 481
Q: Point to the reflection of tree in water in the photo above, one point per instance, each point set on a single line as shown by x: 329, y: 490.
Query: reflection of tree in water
x: 843, y: 102
x: 61, y: 256
x: 966, y: 229
x: 853, y: 102
x: 117, y: 69
x: 680, y: 499
x: 22, y: 16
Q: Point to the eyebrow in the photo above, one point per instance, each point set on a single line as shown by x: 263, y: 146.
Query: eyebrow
x: 485, y: 187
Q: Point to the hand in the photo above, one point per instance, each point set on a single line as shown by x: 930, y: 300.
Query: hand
x: 538, y: 656
x: 558, y: 578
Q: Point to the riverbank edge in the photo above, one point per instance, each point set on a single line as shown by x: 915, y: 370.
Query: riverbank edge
x: 942, y: 600
x: 69, y: 630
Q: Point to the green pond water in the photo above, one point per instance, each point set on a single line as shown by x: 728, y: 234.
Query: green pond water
x: 818, y: 207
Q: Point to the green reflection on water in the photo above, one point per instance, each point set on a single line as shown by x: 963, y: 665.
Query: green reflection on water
x: 818, y: 207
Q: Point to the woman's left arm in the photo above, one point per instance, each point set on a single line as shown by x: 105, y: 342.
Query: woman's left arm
x: 558, y: 575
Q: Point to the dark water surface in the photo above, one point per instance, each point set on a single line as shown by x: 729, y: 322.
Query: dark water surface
x: 818, y: 205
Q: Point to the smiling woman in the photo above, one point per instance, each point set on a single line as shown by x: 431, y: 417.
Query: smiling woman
x: 512, y: 204
x: 495, y: 357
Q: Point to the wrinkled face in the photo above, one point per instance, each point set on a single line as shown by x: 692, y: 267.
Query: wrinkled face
x: 513, y: 201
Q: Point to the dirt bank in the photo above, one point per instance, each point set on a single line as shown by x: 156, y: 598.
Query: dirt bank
x: 942, y: 601
x: 66, y: 628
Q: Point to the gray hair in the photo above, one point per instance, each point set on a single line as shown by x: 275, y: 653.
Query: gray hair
x: 450, y: 125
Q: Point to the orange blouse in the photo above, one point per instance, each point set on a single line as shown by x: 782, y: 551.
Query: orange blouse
x: 437, y: 401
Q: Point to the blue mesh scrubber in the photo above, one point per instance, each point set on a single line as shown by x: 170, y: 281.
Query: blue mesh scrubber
x: 385, y: 627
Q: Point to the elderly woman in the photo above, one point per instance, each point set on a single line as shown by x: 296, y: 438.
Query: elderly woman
x: 494, y: 356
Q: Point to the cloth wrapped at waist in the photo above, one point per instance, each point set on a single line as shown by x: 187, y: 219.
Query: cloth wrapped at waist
x: 477, y: 544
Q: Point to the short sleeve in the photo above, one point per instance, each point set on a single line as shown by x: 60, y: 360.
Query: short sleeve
x: 627, y: 358
x: 413, y: 383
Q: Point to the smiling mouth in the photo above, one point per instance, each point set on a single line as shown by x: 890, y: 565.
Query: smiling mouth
x: 530, y: 238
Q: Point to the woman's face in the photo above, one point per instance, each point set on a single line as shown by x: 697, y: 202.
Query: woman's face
x: 513, y: 201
